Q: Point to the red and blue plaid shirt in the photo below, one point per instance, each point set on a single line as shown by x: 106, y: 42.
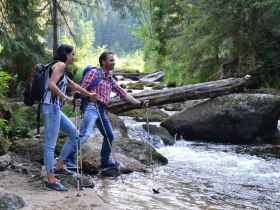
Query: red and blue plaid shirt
x: 104, y: 87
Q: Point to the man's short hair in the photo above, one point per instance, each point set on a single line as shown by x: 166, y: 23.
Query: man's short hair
x: 104, y: 56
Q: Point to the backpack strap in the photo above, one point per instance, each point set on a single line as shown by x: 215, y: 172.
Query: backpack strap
x: 111, y: 81
x: 95, y: 83
x: 38, y: 120
x: 97, y: 80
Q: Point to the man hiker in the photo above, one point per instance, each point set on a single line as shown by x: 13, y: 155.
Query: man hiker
x: 91, y: 115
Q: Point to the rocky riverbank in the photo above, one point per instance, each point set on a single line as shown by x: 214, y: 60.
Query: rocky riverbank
x: 21, y: 187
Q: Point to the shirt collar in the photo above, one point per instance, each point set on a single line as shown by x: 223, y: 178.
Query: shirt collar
x: 106, y: 74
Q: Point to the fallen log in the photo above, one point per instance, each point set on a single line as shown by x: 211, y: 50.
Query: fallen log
x: 183, y: 93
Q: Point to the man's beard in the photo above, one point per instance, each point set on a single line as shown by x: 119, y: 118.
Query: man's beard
x: 111, y: 68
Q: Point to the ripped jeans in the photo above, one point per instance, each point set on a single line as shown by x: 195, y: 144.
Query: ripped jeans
x: 55, y: 120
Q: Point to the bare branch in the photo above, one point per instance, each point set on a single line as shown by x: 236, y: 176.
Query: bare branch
x: 62, y: 13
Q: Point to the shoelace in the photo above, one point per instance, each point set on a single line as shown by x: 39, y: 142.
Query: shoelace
x: 56, y: 181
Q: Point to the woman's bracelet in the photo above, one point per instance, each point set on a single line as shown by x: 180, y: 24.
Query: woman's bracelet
x: 64, y: 98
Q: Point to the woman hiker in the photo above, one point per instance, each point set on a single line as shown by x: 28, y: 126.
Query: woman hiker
x: 55, y: 119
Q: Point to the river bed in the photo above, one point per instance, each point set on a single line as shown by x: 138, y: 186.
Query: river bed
x: 198, y: 175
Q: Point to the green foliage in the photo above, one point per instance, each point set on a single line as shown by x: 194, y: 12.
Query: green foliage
x: 20, y: 39
x: 182, y: 35
x: 68, y: 110
x: 114, y: 30
x: 179, y: 36
x: 20, y: 121
x: 19, y: 117
x: 4, y: 78
x: 133, y: 62
x: 4, y: 140
x: 4, y: 124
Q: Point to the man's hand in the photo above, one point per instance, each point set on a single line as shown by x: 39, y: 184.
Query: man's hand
x: 143, y: 104
x: 93, y: 97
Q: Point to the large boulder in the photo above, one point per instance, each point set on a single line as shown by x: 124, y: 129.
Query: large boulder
x: 235, y: 118
x: 133, y: 155
x: 9, y: 201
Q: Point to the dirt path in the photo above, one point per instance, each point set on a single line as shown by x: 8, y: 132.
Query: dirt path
x: 36, y: 198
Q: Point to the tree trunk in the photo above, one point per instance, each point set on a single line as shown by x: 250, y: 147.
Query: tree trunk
x: 181, y: 94
x: 54, y: 20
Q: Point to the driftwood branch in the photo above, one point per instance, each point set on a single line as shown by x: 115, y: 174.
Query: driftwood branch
x: 181, y: 94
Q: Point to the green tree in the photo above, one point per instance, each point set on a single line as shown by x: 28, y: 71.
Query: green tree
x: 4, y: 124
x: 20, y: 36
x: 192, y: 39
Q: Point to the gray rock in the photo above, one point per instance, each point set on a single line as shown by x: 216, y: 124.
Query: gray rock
x: 30, y: 149
x: 160, y: 133
x: 9, y: 201
x: 120, y: 77
x: 132, y: 155
x: 236, y: 118
x: 5, y: 161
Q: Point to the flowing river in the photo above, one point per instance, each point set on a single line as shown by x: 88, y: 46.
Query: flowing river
x: 198, y: 175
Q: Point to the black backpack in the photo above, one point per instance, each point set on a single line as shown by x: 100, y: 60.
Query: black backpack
x: 35, y: 89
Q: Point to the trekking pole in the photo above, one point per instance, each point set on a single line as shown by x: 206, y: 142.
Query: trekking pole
x: 76, y: 109
x: 151, y: 155
x: 97, y: 108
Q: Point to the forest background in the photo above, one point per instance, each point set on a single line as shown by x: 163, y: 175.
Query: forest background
x: 192, y: 40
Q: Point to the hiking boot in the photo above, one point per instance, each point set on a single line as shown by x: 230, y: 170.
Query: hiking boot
x: 109, y: 164
x: 55, y: 186
x: 110, y: 172
x: 63, y: 171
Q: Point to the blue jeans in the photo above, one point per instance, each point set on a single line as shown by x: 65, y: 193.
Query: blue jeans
x: 55, y: 120
x: 90, y: 118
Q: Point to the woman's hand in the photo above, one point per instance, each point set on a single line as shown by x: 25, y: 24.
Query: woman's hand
x: 71, y: 101
x: 77, y: 101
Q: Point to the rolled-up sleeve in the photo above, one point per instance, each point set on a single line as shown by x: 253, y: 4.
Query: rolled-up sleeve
x: 118, y: 90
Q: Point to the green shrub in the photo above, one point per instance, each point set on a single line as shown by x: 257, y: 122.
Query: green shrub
x: 68, y: 110
x: 20, y: 121
x: 4, y: 140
